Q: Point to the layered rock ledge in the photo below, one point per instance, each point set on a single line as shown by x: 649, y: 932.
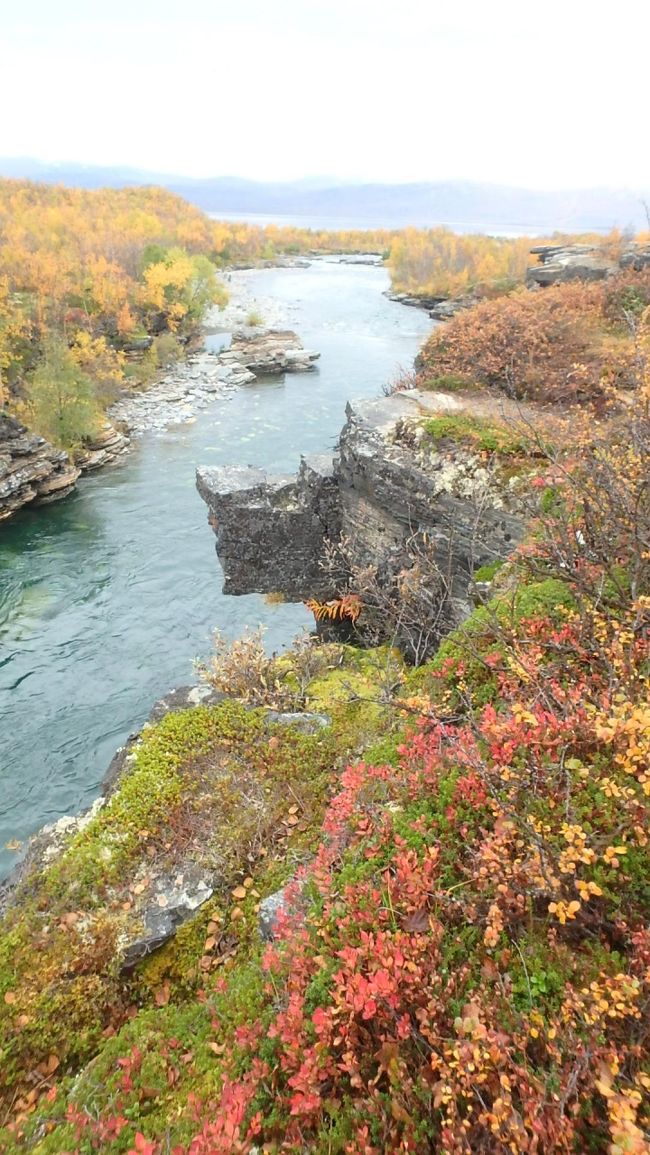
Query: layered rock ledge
x: 381, y: 488
x: 31, y: 470
x: 264, y: 351
x: 559, y: 263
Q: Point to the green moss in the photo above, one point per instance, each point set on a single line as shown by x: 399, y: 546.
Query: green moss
x: 486, y: 573
x: 149, y: 793
x: 356, y: 692
x: 447, y: 383
x: 243, y: 797
x: 480, y: 434
x: 550, y: 502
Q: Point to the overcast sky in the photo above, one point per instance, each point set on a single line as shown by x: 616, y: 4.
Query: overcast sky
x: 540, y: 93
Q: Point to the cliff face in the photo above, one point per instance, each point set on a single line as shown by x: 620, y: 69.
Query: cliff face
x: 31, y: 470
x: 385, y: 485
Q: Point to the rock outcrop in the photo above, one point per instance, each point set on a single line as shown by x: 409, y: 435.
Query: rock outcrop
x: 438, y: 308
x: 382, y: 487
x: 108, y: 445
x: 271, y: 529
x: 269, y: 351
x: 31, y: 470
x: 558, y: 263
x: 201, y: 378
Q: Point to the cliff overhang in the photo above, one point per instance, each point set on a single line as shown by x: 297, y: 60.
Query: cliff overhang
x: 384, y: 485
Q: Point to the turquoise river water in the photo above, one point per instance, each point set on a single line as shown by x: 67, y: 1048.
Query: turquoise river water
x: 107, y: 597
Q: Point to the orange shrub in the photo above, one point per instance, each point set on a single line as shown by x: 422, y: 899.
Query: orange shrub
x: 564, y: 343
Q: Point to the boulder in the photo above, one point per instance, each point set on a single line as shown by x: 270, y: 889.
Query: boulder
x: 269, y: 351
x: 558, y: 263
x: 270, y: 910
x: 172, y: 899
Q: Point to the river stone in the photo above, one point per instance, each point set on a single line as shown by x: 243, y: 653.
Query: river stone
x: 270, y: 351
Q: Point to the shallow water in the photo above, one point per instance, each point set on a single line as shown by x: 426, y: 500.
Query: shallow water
x: 107, y: 597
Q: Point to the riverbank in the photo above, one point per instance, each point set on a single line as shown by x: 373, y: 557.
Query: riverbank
x: 107, y: 597
x: 34, y: 471
x: 334, y: 883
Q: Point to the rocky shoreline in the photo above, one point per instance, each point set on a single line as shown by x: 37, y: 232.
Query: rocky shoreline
x: 173, y: 895
x: 205, y: 376
x: 32, y: 471
x: 438, y: 308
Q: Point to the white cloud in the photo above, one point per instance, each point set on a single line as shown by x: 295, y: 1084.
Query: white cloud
x: 549, y: 95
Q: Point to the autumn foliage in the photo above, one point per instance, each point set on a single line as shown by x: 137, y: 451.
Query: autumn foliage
x: 570, y: 342
x: 464, y: 964
x: 84, y: 276
x: 440, y: 263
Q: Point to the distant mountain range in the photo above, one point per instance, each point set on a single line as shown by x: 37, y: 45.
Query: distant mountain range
x: 465, y: 205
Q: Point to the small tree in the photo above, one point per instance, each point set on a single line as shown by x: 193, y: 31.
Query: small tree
x: 62, y: 398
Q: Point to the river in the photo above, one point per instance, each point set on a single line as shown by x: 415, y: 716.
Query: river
x: 107, y: 597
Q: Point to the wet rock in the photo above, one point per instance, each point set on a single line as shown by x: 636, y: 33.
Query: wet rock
x: 270, y: 351
x: 438, y: 308
x: 192, y: 384
x: 46, y: 845
x: 31, y: 470
x: 185, y: 698
x: 447, y: 308
x: 412, y: 300
x: 359, y: 259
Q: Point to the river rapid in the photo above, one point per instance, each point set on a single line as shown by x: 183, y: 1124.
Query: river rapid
x: 108, y: 597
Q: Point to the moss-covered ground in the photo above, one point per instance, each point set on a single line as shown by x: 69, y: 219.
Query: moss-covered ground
x: 214, y: 789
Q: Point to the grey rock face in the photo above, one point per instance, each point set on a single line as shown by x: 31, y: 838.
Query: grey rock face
x: 378, y: 492
x: 104, y: 449
x: 270, y: 351
x: 31, y: 470
x: 172, y: 900
x: 559, y: 263
x: 272, y: 528
x: 568, y: 263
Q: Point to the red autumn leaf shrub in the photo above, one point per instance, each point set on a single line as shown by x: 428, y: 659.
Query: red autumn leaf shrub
x: 472, y: 973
